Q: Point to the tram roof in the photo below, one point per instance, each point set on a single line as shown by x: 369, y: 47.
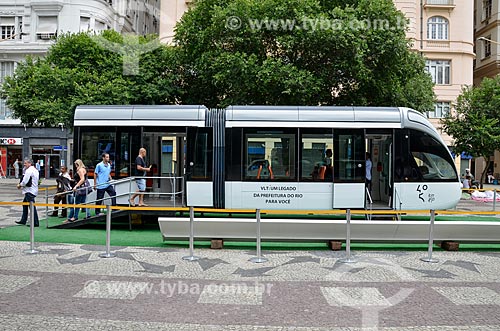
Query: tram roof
x: 313, y: 114
x: 142, y: 115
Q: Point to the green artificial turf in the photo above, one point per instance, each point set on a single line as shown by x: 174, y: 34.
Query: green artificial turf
x: 148, y: 235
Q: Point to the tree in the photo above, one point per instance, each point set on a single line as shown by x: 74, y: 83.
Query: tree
x: 474, y: 125
x: 306, y: 52
x: 79, y: 70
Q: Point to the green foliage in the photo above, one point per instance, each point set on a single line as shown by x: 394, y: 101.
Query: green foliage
x: 228, y: 56
x: 79, y: 70
x: 475, y: 124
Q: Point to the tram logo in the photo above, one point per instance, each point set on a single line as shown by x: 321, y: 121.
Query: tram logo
x: 421, y: 191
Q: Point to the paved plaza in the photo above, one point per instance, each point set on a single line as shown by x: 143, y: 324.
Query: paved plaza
x: 69, y: 287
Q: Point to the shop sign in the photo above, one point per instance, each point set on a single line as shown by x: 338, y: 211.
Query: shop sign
x: 11, y: 141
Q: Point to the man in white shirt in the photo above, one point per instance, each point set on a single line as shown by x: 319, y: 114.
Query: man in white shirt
x: 29, y: 185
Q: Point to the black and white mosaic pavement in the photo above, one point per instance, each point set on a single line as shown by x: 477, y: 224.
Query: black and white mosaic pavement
x: 68, y: 287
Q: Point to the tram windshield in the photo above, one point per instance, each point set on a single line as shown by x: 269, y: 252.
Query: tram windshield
x: 433, y: 160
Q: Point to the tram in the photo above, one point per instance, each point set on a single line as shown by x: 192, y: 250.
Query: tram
x: 278, y: 157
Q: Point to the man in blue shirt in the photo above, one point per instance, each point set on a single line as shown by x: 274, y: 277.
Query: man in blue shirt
x: 102, y: 176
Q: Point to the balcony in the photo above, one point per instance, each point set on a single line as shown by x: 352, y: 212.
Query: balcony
x: 447, y: 4
x: 439, y: 44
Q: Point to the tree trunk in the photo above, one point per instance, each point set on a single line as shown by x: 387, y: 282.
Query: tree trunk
x: 485, y: 171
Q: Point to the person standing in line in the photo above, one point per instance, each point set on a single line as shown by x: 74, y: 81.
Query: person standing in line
x: 140, y: 171
x: 102, y: 177
x: 368, y: 166
x: 80, y: 191
x: 15, y: 165
x: 29, y: 186
x: 63, y: 181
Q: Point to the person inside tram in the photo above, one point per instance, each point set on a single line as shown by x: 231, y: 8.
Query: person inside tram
x: 329, y: 165
x: 368, y: 166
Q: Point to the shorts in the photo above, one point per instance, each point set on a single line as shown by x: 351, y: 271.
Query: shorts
x: 141, y: 184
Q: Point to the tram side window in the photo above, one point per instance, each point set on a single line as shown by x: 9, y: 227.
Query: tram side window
x: 432, y: 158
x: 269, y: 156
x: 93, y: 145
x: 202, y: 157
x: 316, y: 157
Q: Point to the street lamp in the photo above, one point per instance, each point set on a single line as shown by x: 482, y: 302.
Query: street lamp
x: 488, y: 40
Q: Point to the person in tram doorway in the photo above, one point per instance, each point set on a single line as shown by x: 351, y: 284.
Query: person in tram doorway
x: 102, y: 177
x: 140, y: 171
x: 29, y: 185
x: 15, y: 165
x: 368, y: 166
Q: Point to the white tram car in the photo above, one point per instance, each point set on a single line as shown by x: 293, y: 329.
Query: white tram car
x: 278, y: 157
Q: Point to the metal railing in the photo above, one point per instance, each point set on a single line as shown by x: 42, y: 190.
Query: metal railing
x: 370, y: 201
x: 174, y: 194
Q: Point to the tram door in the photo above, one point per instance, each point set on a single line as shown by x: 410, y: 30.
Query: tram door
x: 171, y: 164
x: 379, y: 145
x: 199, y: 167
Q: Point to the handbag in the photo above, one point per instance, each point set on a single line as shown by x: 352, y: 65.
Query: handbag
x: 85, y: 189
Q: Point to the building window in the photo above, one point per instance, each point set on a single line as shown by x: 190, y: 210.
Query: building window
x: 7, y: 28
x: 487, y: 6
x: 437, y: 28
x: 84, y: 24
x: 441, y: 109
x: 47, y: 27
x: 487, y: 46
x: 6, y: 70
x: 439, y: 71
x: 99, y: 26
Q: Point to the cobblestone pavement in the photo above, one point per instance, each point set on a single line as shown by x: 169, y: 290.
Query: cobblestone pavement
x: 69, y: 287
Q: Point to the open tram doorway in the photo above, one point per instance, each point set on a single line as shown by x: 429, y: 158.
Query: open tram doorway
x: 379, y: 144
x: 166, y: 153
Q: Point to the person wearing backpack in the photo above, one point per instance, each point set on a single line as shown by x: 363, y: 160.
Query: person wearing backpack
x: 63, y: 187
x: 29, y: 186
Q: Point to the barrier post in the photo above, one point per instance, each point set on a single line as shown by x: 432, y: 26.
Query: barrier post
x: 431, y: 239
x: 191, y: 256
x: 258, y: 258
x: 46, y: 202
x: 108, y: 234
x: 32, y: 249
x: 348, y: 258
x: 494, y: 199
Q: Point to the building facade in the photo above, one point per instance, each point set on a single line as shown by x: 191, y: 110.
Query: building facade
x: 442, y: 31
x: 28, y: 27
x: 487, y: 63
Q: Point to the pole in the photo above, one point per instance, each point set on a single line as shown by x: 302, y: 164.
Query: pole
x: 494, y: 199
x: 258, y: 258
x: 47, y: 208
x: 431, y: 239
x: 108, y: 234
x: 32, y: 249
x: 191, y: 256
x: 348, y: 258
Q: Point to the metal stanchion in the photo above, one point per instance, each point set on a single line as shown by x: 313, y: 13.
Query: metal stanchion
x: 191, y: 256
x: 32, y: 249
x: 108, y: 234
x: 348, y: 258
x: 431, y: 239
x: 46, y: 202
x: 258, y: 258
